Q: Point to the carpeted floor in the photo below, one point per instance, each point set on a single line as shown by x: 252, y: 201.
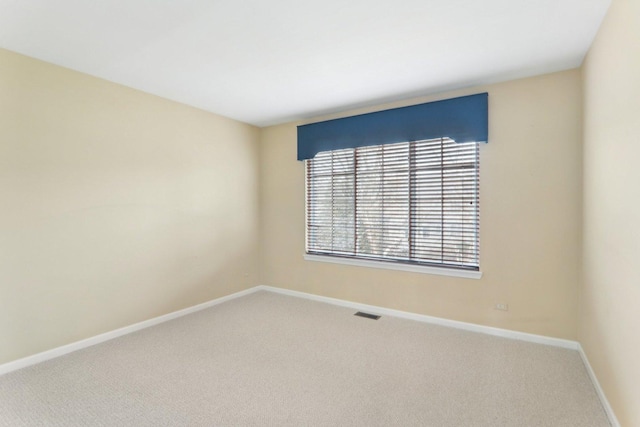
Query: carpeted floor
x: 273, y: 360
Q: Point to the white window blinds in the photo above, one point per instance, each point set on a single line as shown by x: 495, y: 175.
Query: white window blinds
x: 412, y: 202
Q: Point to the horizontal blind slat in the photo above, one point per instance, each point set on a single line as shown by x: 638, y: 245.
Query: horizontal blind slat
x: 414, y: 202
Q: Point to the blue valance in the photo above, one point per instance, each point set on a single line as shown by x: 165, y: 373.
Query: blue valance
x: 463, y: 119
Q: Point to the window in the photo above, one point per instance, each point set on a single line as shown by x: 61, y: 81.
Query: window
x: 410, y: 202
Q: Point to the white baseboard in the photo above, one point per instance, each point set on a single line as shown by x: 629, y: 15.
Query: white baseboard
x: 603, y: 398
x: 505, y: 333
x: 78, y: 345
x: 523, y: 336
x: 489, y: 330
x: 88, y: 342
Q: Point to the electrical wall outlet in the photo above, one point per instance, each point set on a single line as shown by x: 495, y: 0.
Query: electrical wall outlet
x: 503, y: 307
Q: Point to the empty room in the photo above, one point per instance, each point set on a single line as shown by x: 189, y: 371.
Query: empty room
x: 336, y: 213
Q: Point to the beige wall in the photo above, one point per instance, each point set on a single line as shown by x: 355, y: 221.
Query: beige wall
x: 530, y: 219
x: 115, y: 206
x: 610, y: 297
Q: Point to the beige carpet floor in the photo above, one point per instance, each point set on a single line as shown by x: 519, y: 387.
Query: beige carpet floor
x: 272, y: 360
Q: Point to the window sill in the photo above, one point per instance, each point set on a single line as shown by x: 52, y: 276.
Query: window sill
x: 441, y: 271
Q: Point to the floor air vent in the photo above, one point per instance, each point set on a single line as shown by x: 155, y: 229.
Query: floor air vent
x: 367, y: 315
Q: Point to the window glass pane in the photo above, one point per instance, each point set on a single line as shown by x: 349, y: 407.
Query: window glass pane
x: 411, y: 202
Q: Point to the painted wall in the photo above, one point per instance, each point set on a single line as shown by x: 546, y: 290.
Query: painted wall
x: 610, y: 297
x: 115, y: 206
x: 530, y: 219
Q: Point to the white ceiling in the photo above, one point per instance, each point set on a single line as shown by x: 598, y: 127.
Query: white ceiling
x: 266, y: 62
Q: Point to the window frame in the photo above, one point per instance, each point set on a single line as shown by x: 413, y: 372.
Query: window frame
x: 410, y: 265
